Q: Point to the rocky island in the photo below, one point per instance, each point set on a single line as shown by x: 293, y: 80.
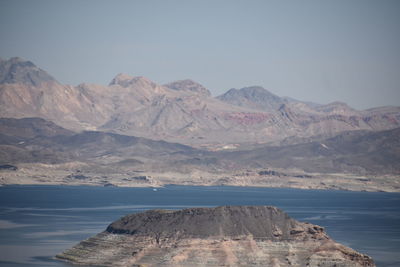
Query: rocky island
x: 221, y: 236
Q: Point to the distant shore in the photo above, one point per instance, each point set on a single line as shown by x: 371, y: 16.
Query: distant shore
x: 47, y: 174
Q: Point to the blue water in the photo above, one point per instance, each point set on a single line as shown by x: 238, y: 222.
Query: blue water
x: 37, y: 222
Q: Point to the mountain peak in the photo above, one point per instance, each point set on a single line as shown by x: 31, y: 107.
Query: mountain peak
x: 188, y: 85
x: 251, y: 92
x: 121, y: 79
x: 253, y: 97
x: 18, y: 70
x: 257, y: 90
x: 126, y: 80
x: 336, y: 107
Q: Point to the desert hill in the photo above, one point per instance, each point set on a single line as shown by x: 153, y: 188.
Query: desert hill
x: 349, y: 152
x: 43, y: 152
x: 362, y: 152
x: 38, y: 140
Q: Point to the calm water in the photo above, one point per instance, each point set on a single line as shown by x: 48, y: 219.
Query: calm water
x: 37, y: 222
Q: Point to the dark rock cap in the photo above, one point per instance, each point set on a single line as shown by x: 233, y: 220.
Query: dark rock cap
x: 262, y: 222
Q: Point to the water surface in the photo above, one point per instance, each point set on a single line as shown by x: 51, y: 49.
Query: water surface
x: 37, y: 222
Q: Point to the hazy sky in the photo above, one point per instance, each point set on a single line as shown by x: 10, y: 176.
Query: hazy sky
x: 320, y: 51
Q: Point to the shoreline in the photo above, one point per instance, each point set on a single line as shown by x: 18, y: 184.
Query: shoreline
x: 73, y: 175
x: 196, y: 185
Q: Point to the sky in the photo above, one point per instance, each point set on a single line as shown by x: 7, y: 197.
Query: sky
x: 319, y: 51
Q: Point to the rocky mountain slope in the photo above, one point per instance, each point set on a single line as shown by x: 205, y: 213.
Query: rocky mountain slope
x: 28, y: 128
x: 42, y: 152
x: 362, y: 152
x: 33, y: 93
x: 37, y: 140
x: 181, y: 111
x: 222, y: 236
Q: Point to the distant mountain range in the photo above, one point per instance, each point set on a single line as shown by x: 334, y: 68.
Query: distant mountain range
x: 135, y: 132
x: 35, y: 140
x: 182, y: 111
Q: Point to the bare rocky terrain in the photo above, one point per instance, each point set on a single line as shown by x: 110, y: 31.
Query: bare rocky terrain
x: 135, y: 132
x: 41, y: 152
x: 228, y: 236
x: 182, y: 111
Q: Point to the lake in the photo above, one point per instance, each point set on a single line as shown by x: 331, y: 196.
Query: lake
x: 38, y: 222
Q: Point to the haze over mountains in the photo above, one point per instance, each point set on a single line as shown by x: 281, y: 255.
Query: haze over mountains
x: 179, y: 133
x: 182, y: 111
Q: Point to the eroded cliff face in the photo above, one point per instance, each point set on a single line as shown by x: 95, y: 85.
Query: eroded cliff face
x: 222, y: 236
